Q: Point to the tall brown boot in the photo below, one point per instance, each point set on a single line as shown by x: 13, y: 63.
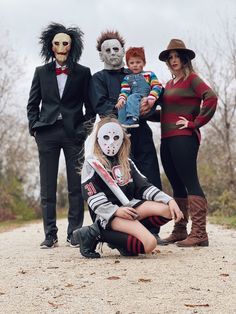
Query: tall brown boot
x: 180, y: 228
x: 198, y: 212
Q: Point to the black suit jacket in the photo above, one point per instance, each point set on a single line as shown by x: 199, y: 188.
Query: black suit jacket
x: 44, y: 91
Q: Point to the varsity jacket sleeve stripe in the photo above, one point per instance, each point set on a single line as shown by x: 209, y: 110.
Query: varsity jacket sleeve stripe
x: 102, y: 207
x: 145, y: 190
x: 154, y: 194
x: 95, y: 197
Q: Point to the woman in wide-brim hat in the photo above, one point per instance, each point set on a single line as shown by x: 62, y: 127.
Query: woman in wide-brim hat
x: 188, y: 104
x: 176, y: 44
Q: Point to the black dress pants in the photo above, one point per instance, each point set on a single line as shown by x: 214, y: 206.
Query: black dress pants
x: 143, y: 153
x: 50, y: 141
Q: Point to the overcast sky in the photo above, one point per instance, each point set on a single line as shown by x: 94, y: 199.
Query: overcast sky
x: 149, y: 23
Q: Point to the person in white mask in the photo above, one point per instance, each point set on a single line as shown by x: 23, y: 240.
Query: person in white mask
x: 104, y: 94
x: 124, y: 227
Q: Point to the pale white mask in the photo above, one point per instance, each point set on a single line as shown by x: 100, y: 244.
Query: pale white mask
x: 112, y: 54
x: 110, y: 138
x: 61, y: 45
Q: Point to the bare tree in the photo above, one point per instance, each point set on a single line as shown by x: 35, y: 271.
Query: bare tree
x: 218, y: 66
x: 17, y: 153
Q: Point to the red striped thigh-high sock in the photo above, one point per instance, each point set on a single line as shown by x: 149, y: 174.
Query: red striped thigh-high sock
x: 126, y: 242
x: 154, y: 222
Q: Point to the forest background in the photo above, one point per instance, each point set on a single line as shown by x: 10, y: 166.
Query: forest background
x: 208, y: 29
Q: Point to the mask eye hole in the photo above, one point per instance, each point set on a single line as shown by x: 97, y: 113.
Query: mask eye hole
x: 106, y: 137
x: 56, y: 43
x: 65, y: 43
x: 116, y: 137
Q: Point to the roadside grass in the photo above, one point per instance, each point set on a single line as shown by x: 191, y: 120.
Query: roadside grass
x: 8, y: 225
x: 227, y: 222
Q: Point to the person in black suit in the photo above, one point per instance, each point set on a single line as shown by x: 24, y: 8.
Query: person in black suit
x: 58, y: 112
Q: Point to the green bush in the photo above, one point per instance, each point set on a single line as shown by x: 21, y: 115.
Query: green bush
x: 13, y: 202
x: 224, y: 204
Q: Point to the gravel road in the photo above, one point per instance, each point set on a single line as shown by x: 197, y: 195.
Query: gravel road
x: 171, y: 280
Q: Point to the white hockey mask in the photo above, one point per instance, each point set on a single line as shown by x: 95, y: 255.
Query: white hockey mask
x: 110, y: 138
x: 61, y: 45
x: 112, y: 54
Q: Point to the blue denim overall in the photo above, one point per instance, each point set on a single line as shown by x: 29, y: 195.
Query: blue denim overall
x: 139, y: 89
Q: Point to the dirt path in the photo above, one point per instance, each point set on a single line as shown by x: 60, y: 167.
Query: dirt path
x: 173, y: 280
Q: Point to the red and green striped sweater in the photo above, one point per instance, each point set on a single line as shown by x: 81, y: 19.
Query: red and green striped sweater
x: 190, y: 98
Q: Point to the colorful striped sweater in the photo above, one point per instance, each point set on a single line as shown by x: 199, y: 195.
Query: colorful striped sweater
x: 190, y: 98
x: 150, y: 78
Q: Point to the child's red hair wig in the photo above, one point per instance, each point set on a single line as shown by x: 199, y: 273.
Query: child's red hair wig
x: 135, y: 52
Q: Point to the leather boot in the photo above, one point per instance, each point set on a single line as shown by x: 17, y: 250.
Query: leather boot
x: 180, y: 228
x: 88, y: 237
x: 198, y: 212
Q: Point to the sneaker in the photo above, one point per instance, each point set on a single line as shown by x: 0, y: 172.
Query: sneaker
x: 49, y: 243
x: 131, y: 122
x: 72, y: 242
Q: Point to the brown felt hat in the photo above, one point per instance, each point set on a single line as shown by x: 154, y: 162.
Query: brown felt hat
x: 176, y: 44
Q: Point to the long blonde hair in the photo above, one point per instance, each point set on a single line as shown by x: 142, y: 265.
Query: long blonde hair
x: 123, y: 153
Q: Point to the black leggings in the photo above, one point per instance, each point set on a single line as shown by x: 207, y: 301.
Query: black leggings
x: 179, y: 160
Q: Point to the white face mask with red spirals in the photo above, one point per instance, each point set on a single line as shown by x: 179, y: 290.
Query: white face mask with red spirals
x: 110, y: 138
